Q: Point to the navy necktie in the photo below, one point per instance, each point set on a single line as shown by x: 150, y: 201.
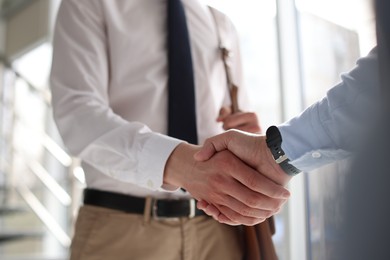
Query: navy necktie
x: 181, y: 97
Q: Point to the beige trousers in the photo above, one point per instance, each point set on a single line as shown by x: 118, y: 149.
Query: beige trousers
x: 109, y: 234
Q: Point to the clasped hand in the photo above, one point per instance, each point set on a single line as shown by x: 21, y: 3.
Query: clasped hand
x: 233, y: 175
x: 269, y: 181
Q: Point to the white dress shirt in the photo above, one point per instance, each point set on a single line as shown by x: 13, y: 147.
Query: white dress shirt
x: 109, y: 87
x: 330, y: 129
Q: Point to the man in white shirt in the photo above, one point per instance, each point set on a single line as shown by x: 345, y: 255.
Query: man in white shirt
x: 109, y: 88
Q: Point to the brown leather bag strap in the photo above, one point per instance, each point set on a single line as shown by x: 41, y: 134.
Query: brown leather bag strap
x: 271, y: 222
x: 251, y: 249
x: 264, y: 237
x: 226, y: 53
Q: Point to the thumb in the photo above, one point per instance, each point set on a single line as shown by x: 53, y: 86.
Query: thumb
x: 215, y: 144
x: 206, y: 152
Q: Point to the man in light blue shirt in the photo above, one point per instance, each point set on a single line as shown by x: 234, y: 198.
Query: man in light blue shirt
x: 329, y: 130
x: 351, y: 119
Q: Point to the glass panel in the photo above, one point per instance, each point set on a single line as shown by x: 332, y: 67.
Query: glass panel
x: 333, y: 35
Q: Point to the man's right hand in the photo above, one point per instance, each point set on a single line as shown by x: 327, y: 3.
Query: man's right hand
x: 250, y: 148
x: 237, y: 190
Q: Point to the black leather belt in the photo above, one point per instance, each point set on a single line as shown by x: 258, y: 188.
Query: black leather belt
x: 161, y: 208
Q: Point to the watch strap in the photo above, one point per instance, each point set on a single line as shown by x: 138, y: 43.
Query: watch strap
x: 274, y: 143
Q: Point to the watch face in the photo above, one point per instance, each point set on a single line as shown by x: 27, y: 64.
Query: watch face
x: 274, y: 140
x: 272, y: 131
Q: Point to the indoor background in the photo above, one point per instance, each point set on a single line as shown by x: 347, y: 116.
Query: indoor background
x: 293, y: 51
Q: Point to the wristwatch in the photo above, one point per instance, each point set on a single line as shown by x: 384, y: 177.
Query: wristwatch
x: 274, y: 143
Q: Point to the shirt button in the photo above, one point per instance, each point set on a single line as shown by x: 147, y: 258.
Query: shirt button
x: 150, y: 184
x: 316, y: 155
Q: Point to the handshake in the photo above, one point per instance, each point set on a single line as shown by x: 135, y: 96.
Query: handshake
x: 233, y: 176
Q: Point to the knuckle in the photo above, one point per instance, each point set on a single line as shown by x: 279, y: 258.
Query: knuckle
x: 255, y: 221
x: 215, y: 198
x: 281, y: 202
x: 274, y: 204
x: 269, y: 214
x: 233, y: 216
x: 277, y: 192
x: 246, y: 211
x: 207, y: 141
x: 252, y: 181
x: 215, y: 179
x: 260, y: 220
x: 277, y: 210
x: 220, y: 162
x: 252, y: 201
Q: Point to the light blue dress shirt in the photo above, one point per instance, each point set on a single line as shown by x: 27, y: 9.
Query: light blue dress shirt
x: 332, y: 128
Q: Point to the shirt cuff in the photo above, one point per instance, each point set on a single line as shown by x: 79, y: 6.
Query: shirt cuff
x: 318, y: 158
x: 152, y: 160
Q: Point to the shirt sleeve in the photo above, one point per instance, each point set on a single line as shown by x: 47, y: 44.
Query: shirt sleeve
x: 330, y: 129
x: 89, y: 128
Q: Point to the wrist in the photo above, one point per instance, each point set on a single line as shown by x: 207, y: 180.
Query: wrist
x: 256, y: 153
x: 279, y: 176
x: 180, y: 165
x: 274, y: 143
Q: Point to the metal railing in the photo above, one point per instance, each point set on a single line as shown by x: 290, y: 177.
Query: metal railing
x: 32, y: 166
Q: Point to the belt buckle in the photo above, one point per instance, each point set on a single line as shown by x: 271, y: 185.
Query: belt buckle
x: 155, y: 215
x: 192, y: 208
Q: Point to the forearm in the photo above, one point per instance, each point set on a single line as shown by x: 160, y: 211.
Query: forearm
x: 179, y: 166
x: 336, y: 122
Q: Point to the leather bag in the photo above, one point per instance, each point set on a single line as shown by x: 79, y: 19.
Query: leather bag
x: 258, y: 244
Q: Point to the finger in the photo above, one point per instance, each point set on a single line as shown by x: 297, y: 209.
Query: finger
x: 223, y: 113
x: 208, y: 209
x: 225, y: 220
x: 214, y: 144
x: 228, y: 216
x: 254, y: 184
x: 237, y: 208
x: 207, y: 151
x: 251, y: 128
x: 202, y: 204
x: 235, y: 121
x: 245, y: 184
x: 251, y: 201
x: 209, y: 148
x: 213, y: 211
x: 231, y: 217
